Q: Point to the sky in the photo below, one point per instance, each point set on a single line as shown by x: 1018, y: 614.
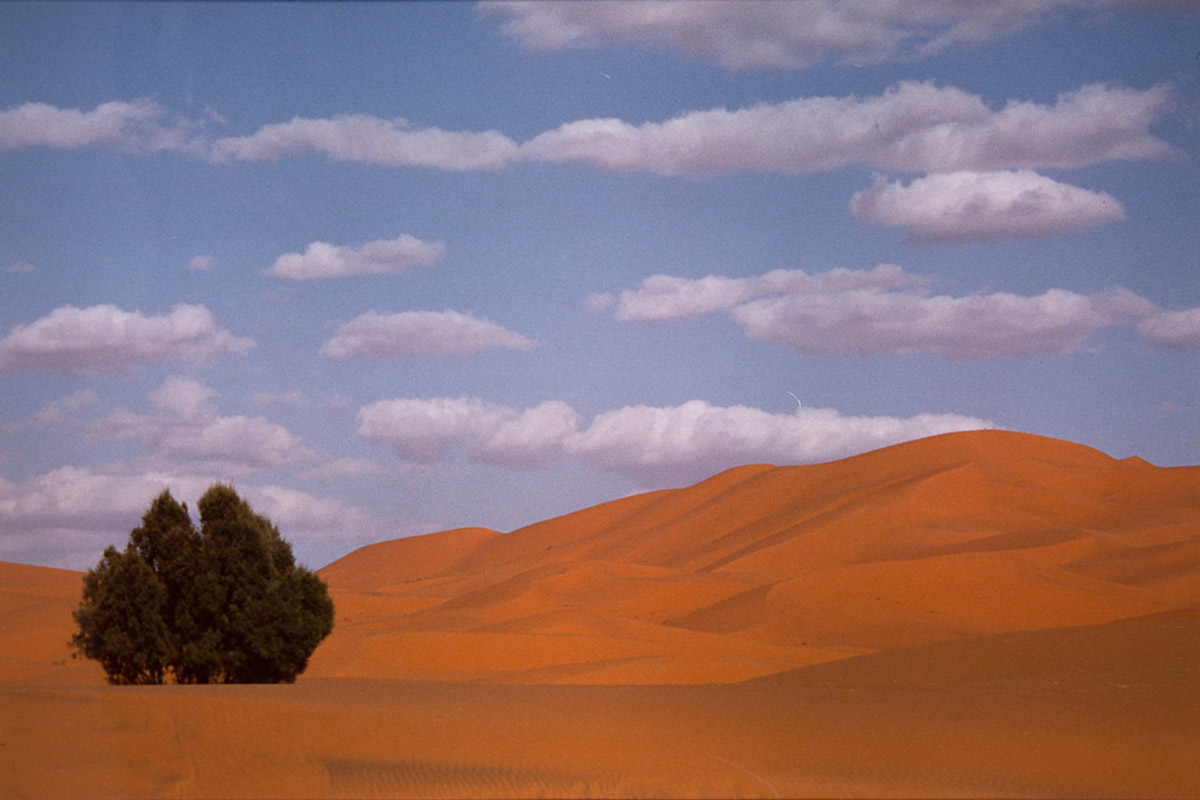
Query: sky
x: 396, y: 268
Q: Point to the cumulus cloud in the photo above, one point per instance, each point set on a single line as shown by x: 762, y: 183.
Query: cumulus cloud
x: 696, y: 439
x: 916, y: 127
x: 71, y: 496
x: 652, y: 444
x: 432, y: 429
x: 307, y: 518
x: 384, y: 257
x: 186, y: 425
x: 141, y: 126
x: 886, y: 310
x: 415, y: 334
x: 764, y: 33
x: 371, y: 140
x: 21, y: 268
x: 67, y: 516
x: 1172, y: 328
x: 64, y: 409
x: 105, y: 339
x: 666, y: 297
x: 976, y: 326
x: 977, y: 206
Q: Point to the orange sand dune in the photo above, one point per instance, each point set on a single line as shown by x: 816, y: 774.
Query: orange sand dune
x: 976, y: 614
x: 935, y: 540
x: 36, y: 625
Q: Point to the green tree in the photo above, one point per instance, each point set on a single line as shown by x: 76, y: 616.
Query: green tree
x: 120, y: 619
x: 227, y: 603
x: 169, y: 544
x: 274, y: 613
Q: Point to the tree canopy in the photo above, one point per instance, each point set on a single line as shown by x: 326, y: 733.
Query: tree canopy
x: 225, y: 603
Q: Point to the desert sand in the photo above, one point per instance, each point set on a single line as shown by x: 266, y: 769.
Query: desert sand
x: 976, y: 614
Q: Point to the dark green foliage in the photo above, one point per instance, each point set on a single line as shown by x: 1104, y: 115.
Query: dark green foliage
x: 227, y: 603
x: 120, y: 619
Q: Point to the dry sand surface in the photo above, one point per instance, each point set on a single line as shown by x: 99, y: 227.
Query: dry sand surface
x: 975, y: 614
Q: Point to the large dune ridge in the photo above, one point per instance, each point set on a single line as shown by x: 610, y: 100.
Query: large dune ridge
x: 974, y: 614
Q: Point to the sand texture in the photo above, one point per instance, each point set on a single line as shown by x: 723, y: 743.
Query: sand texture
x: 977, y: 614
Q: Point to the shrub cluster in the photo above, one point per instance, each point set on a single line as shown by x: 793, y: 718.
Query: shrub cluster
x: 223, y: 604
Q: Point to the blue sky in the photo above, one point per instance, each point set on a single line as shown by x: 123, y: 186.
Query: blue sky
x: 397, y: 268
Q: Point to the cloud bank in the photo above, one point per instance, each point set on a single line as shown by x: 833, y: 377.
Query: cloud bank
x: 72, y: 513
x: 1178, y: 329
x: 384, y: 257
x: 141, y: 126
x: 887, y: 310
x: 912, y: 127
x: 420, y: 334
x: 106, y: 340
x: 429, y: 430
x: 371, y: 140
x: 654, y: 445
x: 184, y: 425
x: 978, y: 206
x: 763, y: 33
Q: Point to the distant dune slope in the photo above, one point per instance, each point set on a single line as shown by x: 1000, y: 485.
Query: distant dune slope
x: 764, y: 569
x: 36, y: 625
x: 755, y: 571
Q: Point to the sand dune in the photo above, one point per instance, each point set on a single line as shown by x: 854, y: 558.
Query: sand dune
x: 953, y: 536
x: 36, y: 625
x: 976, y: 614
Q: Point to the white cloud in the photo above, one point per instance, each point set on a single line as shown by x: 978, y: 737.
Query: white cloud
x: 185, y: 425
x: 64, y: 409
x: 186, y: 398
x: 105, y: 339
x: 413, y: 334
x: 666, y: 297
x: 977, y: 206
x: 73, y: 495
x: 916, y: 127
x: 303, y: 517
x: 651, y: 444
x: 384, y: 257
x: 976, y: 326
x: 753, y: 33
x: 765, y: 33
x: 371, y: 140
x: 201, y: 264
x: 139, y: 127
x: 1172, y: 328
x: 21, y: 268
x: 67, y: 516
x: 911, y: 127
x: 689, y: 442
x: 431, y: 430
x: 886, y: 310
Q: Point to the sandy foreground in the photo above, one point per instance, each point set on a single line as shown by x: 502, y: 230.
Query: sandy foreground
x: 1105, y: 711
x: 974, y: 615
